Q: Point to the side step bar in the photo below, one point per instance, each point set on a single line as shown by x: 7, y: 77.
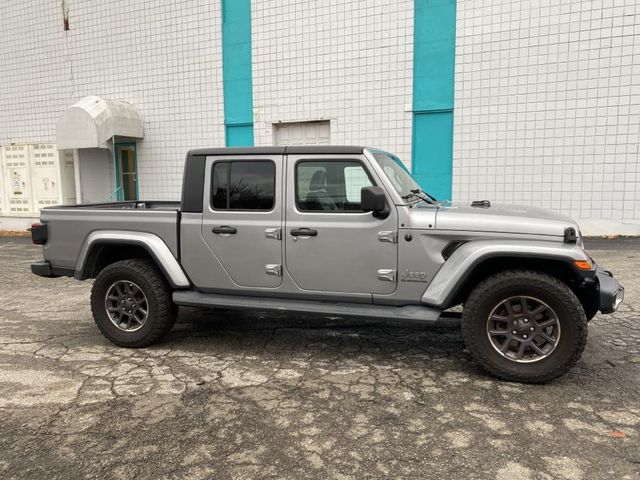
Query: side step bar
x: 417, y: 313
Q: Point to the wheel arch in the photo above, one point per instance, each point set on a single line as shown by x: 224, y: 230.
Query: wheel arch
x: 102, y: 248
x: 474, y: 261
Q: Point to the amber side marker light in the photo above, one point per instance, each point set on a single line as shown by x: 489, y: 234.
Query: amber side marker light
x: 583, y: 264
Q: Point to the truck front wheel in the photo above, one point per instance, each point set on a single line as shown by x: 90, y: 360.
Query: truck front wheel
x: 524, y: 326
x: 131, y: 303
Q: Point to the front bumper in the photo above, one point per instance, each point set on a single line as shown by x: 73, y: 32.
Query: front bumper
x: 610, y: 292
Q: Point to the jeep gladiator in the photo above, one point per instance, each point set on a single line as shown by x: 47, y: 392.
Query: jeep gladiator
x: 337, y: 231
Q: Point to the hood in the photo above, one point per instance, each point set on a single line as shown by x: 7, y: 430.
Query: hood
x: 500, y: 219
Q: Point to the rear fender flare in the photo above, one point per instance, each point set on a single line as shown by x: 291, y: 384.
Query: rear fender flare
x: 153, y: 244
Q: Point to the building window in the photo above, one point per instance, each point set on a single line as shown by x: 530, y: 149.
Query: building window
x: 330, y: 186
x: 243, y: 185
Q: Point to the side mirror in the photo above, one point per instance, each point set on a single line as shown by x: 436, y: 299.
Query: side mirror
x: 373, y: 199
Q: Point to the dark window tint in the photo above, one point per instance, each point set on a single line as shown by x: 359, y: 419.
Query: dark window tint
x: 243, y: 185
x: 219, y: 185
x: 252, y: 185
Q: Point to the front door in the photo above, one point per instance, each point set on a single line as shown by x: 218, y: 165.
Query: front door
x: 330, y: 244
x: 126, y: 171
x: 243, y: 219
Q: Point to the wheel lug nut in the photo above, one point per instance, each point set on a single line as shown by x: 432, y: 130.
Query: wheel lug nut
x: 514, y: 332
x: 526, y: 320
x: 524, y: 336
x: 531, y: 328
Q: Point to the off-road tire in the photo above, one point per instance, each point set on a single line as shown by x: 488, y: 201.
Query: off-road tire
x: 161, y: 310
x: 491, y: 291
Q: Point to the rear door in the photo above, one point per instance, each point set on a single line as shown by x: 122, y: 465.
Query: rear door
x: 330, y: 244
x: 243, y: 219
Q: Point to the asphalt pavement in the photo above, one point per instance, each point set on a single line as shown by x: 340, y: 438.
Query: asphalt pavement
x: 257, y: 395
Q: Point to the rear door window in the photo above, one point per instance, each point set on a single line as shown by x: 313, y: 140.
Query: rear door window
x: 243, y: 185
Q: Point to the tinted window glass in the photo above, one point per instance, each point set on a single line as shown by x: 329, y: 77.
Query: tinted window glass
x: 243, y: 185
x: 219, y: 185
x: 332, y: 186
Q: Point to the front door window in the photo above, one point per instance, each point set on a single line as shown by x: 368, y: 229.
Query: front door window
x: 126, y: 172
x: 332, y: 186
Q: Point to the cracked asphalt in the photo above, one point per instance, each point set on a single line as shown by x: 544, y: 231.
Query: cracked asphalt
x: 257, y: 395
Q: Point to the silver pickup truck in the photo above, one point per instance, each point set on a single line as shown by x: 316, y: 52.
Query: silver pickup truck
x: 338, y: 231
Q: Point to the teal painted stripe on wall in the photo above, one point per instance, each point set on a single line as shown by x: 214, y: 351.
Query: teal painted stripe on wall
x: 433, y: 140
x: 236, y: 72
x: 239, y: 135
x: 433, y: 90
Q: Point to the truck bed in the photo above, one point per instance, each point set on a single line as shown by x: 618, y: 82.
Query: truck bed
x: 69, y: 225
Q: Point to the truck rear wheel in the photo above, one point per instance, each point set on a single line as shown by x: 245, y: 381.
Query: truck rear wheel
x: 131, y: 303
x: 524, y: 326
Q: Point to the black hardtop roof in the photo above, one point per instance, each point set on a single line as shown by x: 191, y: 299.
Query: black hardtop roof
x: 301, y: 150
x: 194, y: 168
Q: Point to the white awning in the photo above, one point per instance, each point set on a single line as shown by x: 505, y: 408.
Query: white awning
x: 93, y: 121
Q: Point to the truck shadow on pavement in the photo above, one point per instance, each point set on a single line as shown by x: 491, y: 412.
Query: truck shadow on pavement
x: 251, y: 333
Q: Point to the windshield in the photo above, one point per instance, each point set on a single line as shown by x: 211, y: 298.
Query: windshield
x: 398, y: 173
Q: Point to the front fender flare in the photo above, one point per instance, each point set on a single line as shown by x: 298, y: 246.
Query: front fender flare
x: 453, y: 273
x: 153, y: 244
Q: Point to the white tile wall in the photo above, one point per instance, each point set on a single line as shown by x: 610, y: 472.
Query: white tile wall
x: 547, y: 108
x: 165, y: 58
x: 347, y: 62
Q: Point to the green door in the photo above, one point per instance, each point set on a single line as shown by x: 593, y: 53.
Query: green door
x: 126, y: 171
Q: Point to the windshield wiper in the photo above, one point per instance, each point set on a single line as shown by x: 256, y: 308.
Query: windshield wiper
x: 421, y: 195
x: 431, y: 197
